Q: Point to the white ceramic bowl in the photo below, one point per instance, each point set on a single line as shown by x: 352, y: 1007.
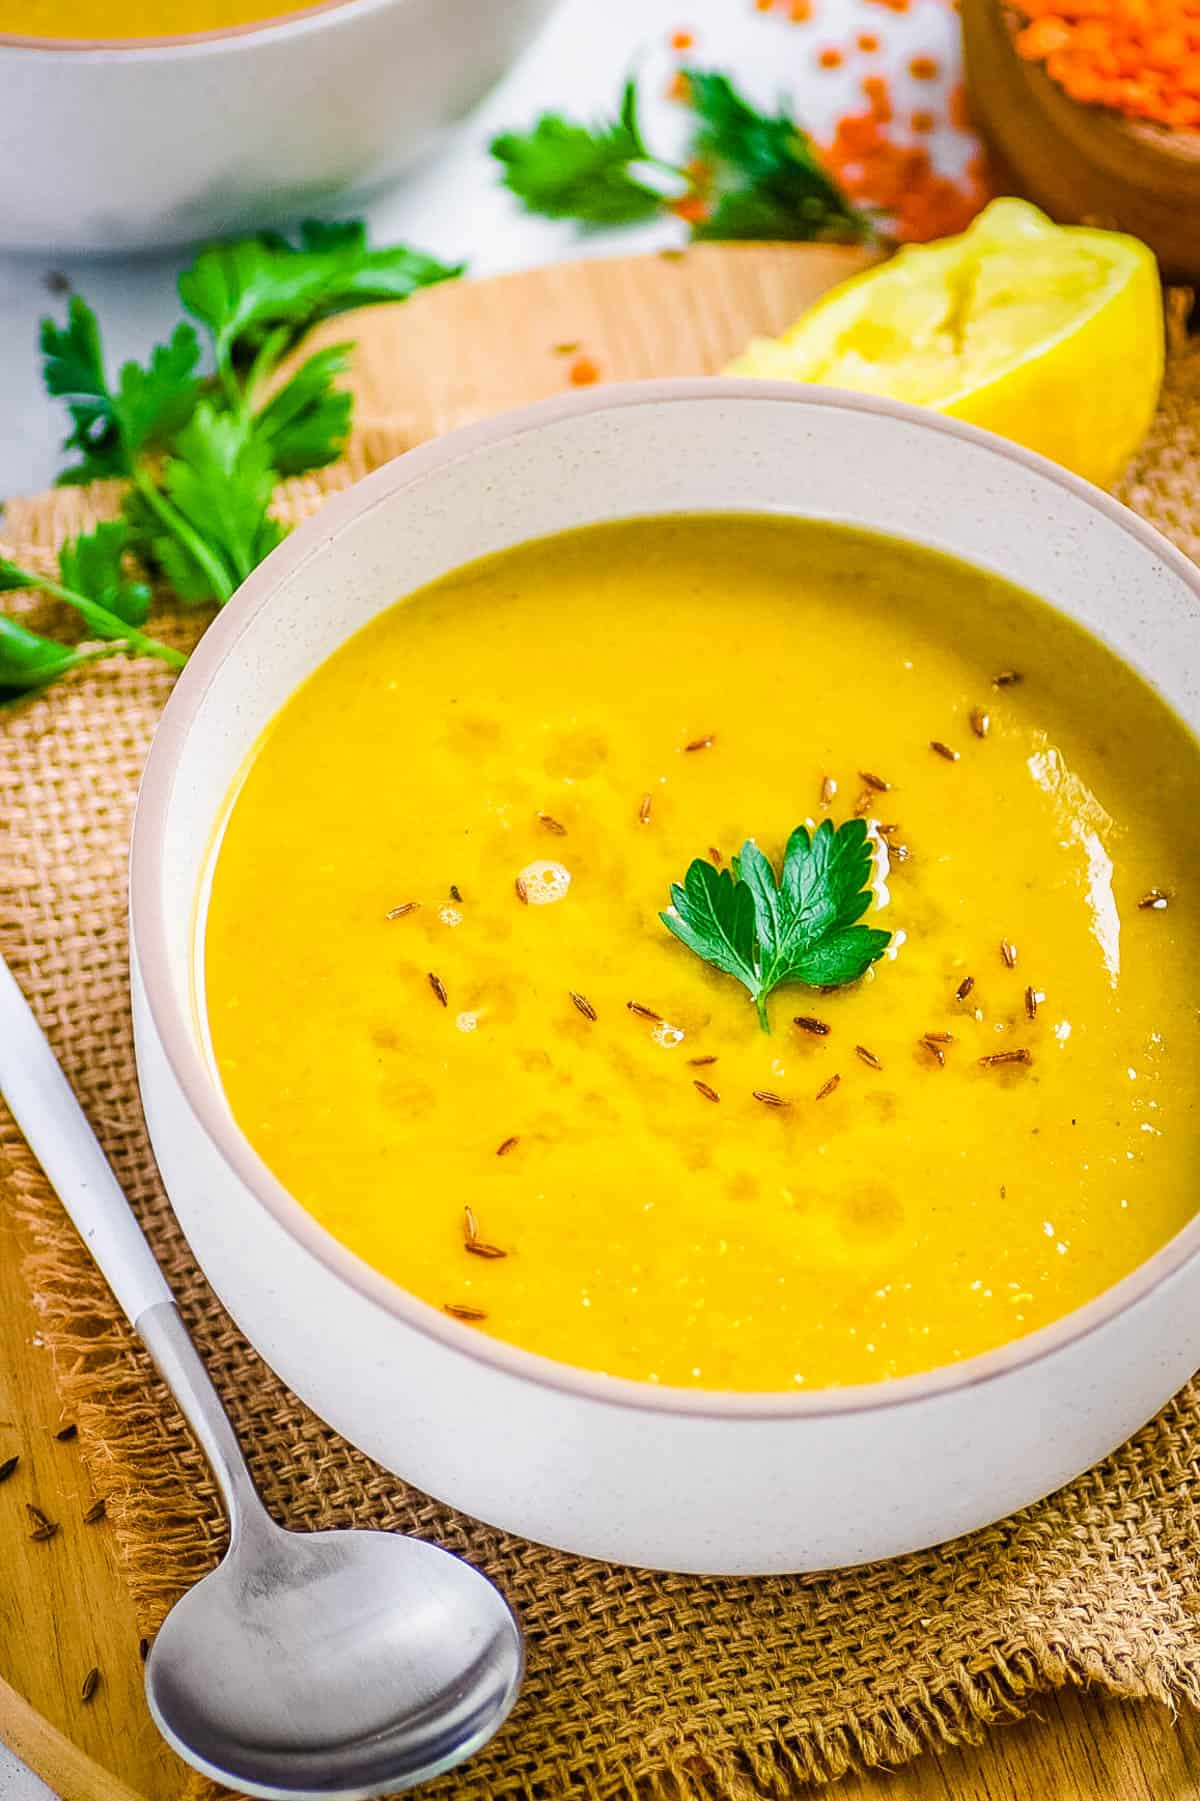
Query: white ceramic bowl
x: 677, y: 1479
x: 132, y: 145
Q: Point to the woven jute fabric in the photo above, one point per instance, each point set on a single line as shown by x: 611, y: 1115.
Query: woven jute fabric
x: 639, y: 1686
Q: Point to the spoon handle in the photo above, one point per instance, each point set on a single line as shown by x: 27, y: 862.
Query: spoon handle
x: 53, y: 1123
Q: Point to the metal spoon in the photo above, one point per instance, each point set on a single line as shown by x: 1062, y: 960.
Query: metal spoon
x: 308, y: 1664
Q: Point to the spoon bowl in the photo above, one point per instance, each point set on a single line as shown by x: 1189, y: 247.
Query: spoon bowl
x: 333, y: 1663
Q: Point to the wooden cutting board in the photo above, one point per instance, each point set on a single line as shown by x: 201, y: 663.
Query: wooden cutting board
x: 453, y: 354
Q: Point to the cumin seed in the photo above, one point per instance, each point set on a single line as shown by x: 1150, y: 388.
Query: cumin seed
x: 1155, y: 899
x: 521, y: 891
x: 1031, y: 1002
x: 402, y: 909
x: 456, y: 893
x: 583, y: 1005
x: 642, y: 1012
x: 828, y: 1088
x: 705, y: 743
x: 565, y: 349
x: 874, y: 781
x: 8, y: 1466
x: 699, y: 1062
x: 886, y: 831
x: 939, y: 1037
x: 935, y: 1050
x: 710, y: 1094
x: 898, y: 853
x: 67, y: 1432
x: 1007, y: 678
x: 1008, y: 953
x: 509, y: 1144
x: 36, y: 1514
x: 89, y: 1685
x: 714, y: 856
x: 47, y: 1530
x: 964, y: 988
x: 943, y: 750
x: 807, y: 1023
x: 867, y: 1057
x: 457, y: 1310
x: 95, y: 1512
x: 470, y: 1225
x: 828, y: 789
x: 770, y: 1099
x: 644, y: 810
x: 980, y: 722
x: 438, y: 986
x: 553, y: 825
x: 478, y: 1248
x: 864, y: 803
x: 996, y: 1057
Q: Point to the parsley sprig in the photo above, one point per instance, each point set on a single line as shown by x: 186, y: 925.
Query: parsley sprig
x: 201, y: 433
x: 801, y: 926
x: 746, y: 174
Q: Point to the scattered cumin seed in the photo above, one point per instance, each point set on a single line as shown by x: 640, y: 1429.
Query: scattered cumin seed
x: 874, y: 781
x: 828, y: 1087
x: 1154, y: 898
x: 565, y: 349
x: 1007, y: 678
x: 8, y: 1466
x: 699, y: 1062
x: 867, y: 1057
x: 143, y: 1648
x: 89, y: 1685
x: 828, y: 789
x: 943, y: 750
x: 898, y: 853
x: 95, y: 1512
x: 935, y: 1050
x: 964, y: 988
x: 36, y: 1514
x: 807, y: 1023
x: 705, y: 743
x: 41, y: 1533
x: 509, y: 1144
x: 1021, y: 1056
x: 714, y: 856
x: 980, y: 722
x: 886, y: 831
x: 478, y: 1248
x: 553, y: 825
x: 456, y: 893
x: 438, y: 986
x: 1008, y: 953
x: 710, y: 1094
x: 521, y: 891
x: 470, y: 1225
x: 939, y: 1037
x: 457, y: 1310
x: 769, y: 1098
x: 642, y: 1012
x: 67, y: 1432
x: 864, y: 803
x: 1031, y: 1002
x: 644, y: 810
x: 402, y: 909
x: 582, y: 1004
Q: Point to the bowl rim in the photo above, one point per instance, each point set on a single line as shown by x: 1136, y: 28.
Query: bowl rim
x: 176, y: 1035
x: 298, y: 18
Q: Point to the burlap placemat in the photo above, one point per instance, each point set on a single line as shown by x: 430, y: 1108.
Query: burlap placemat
x: 639, y: 1686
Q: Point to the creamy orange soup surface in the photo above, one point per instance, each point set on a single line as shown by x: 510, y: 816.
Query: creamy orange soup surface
x: 445, y: 1010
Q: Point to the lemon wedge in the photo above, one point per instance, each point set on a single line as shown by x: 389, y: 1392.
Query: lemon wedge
x: 1050, y: 335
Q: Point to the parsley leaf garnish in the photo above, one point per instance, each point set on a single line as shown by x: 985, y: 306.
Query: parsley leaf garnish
x: 565, y: 170
x: 746, y: 174
x: 306, y: 422
x: 799, y: 927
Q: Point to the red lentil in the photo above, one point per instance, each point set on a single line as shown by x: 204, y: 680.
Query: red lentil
x: 867, y: 42
x: 682, y: 40
x: 583, y: 372
x: 1139, y: 57
x: 829, y: 58
x: 924, y: 68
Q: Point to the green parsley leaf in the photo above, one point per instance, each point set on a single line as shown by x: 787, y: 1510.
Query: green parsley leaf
x: 155, y: 402
x: 799, y: 927
x: 306, y: 423
x: 568, y: 171
x: 211, y: 527
x: 93, y: 565
x: 247, y: 292
x: 73, y: 370
x: 28, y: 661
x: 768, y: 181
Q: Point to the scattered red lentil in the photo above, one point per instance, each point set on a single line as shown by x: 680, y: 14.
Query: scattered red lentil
x: 924, y: 68
x: 867, y: 42
x: 830, y: 58
x: 875, y: 88
x: 900, y: 179
x: 691, y: 208
x: 922, y: 121
x: 583, y: 372
x: 677, y: 87
x: 800, y: 12
x: 682, y: 40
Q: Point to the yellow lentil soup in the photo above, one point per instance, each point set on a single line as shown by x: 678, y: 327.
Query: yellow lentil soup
x: 111, y: 19
x: 446, y: 1011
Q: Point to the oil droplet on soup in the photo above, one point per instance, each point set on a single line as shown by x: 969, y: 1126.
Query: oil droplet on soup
x: 991, y: 1127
